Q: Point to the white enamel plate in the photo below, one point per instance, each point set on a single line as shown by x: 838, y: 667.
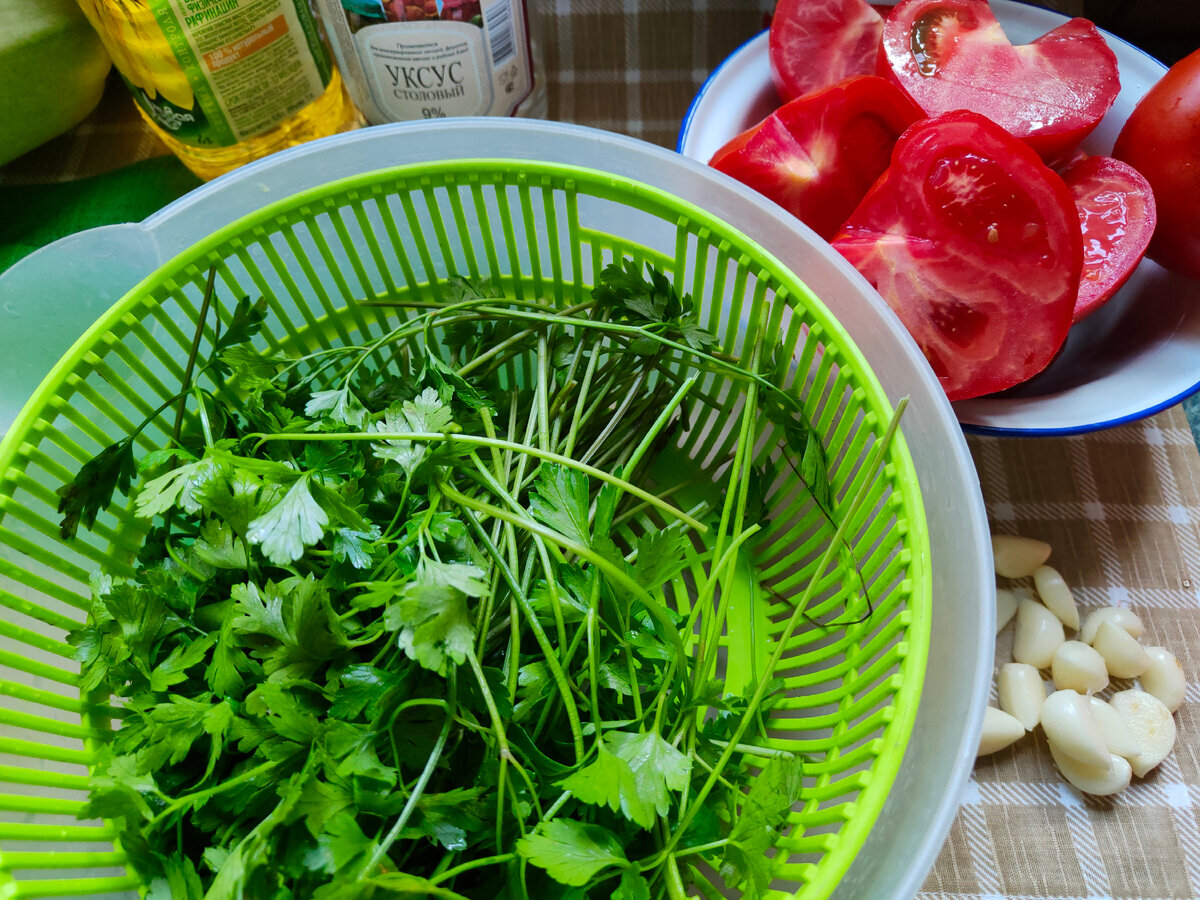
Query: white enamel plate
x: 1136, y: 356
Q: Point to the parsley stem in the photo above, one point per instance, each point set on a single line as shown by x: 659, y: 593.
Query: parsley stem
x: 193, y: 353
x: 410, y: 804
x: 784, y: 638
x: 717, y: 361
x: 480, y: 441
x: 580, y: 399
x: 675, y: 886
x: 473, y: 864
x: 543, y: 556
x: 660, y: 423
x: 198, y: 796
x: 755, y: 749
x: 539, y: 633
x: 616, y: 575
x: 593, y: 661
x: 615, y: 419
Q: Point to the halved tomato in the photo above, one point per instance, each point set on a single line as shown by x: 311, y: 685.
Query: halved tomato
x: 814, y: 44
x: 953, y: 54
x: 1117, y: 215
x: 976, y: 245
x: 818, y: 155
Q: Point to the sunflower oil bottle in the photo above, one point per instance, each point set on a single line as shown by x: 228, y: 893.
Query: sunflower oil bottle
x: 225, y: 82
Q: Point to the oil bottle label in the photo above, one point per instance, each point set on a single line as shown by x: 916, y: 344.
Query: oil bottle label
x: 427, y: 59
x: 248, y: 65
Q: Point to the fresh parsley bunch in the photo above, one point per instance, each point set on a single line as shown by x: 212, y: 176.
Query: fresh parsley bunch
x: 407, y: 620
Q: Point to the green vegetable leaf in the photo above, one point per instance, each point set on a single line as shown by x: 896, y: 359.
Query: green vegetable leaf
x: 573, y: 853
x: 431, y: 613
x: 661, y: 555
x: 609, y: 781
x: 99, y: 479
x: 173, y: 669
x: 658, y: 768
x: 359, y: 688
x: 228, y: 665
x: 352, y: 748
x: 340, y: 845
x: 770, y: 798
x: 217, y: 546
x: 292, y: 524
x: 339, y: 405
x: 353, y: 546
x: 450, y: 384
x: 426, y: 413
x: 297, y: 622
x: 119, y: 790
x: 633, y: 886
x: 283, y: 711
x: 559, y: 499
x: 764, y: 811
x: 183, y: 487
x: 534, y: 685
x: 246, y: 322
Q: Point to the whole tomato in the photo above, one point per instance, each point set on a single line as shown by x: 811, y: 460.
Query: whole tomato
x: 1161, y: 140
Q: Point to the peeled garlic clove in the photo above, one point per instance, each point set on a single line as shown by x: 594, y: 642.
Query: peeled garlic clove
x: 1099, y: 781
x: 1117, y: 736
x: 1151, y: 725
x: 999, y: 731
x: 1006, y: 607
x: 1068, y: 723
x: 1021, y: 693
x: 1078, y: 667
x: 1017, y: 557
x: 1163, y: 677
x: 1125, y: 618
x: 1123, y: 655
x: 1038, y: 634
x: 1056, y: 596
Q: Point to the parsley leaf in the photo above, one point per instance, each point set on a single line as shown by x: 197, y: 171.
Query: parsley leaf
x: 431, y: 613
x: 572, y: 852
x: 340, y: 405
x: 559, y: 499
x: 426, y: 413
x: 295, y: 522
x: 658, y: 768
x: 100, y: 478
x: 609, y: 781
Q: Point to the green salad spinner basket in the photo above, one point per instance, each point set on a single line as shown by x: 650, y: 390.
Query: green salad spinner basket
x: 540, y: 231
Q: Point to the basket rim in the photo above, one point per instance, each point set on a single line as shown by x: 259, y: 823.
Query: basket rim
x: 869, y: 803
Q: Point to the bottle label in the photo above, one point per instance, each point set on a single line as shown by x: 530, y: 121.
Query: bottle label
x: 428, y: 59
x: 248, y: 65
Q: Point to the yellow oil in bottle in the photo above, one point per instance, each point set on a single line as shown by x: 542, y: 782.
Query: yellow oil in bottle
x: 225, y: 82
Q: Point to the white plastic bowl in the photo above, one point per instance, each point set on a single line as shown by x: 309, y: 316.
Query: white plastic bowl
x: 1136, y: 356
x: 49, y: 298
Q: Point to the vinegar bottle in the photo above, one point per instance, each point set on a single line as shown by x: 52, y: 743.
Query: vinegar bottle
x: 430, y: 59
x: 225, y: 82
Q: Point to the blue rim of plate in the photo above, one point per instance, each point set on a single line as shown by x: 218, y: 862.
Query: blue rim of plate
x: 972, y: 427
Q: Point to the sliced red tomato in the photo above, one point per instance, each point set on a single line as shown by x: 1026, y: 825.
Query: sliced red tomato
x: 1161, y: 139
x: 1117, y: 216
x: 819, y: 154
x: 975, y: 244
x: 814, y: 44
x: 953, y: 54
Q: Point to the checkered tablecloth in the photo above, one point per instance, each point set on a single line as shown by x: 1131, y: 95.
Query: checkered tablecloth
x: 1121, y: 508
